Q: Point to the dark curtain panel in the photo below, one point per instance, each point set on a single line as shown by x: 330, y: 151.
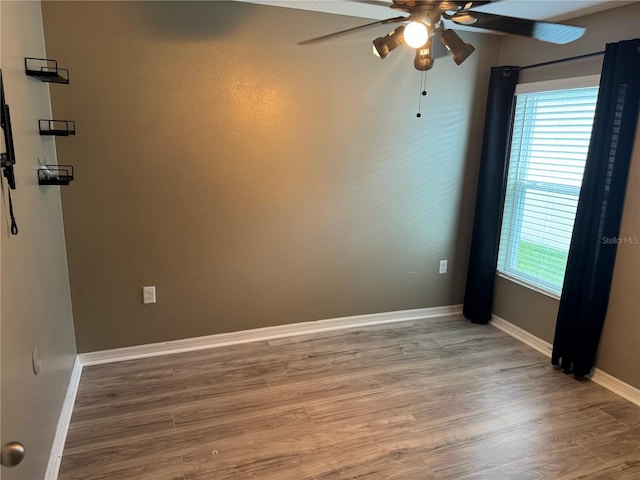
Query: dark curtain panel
x: 483, y: 258
x: 587, y: 282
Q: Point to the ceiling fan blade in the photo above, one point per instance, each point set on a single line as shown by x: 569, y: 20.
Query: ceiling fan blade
x: 380, y: 3
x: 546, y: 31
x: 478, y: 3
x: 352, y: 30
x: 408, y: 4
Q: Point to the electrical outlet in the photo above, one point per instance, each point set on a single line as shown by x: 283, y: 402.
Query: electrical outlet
x: 149, y: 294
x: 443, y: 266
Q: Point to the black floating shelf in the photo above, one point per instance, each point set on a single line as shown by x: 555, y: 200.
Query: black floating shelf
x: 60, y: 128
x: 55, y: 174
x: 46, y: 70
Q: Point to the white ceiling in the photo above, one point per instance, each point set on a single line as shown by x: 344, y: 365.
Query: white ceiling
x: 558, y: 10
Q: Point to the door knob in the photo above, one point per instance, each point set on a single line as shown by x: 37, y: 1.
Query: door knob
x: 11, y: 454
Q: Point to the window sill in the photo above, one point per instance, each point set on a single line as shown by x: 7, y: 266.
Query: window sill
x: 528, y: 285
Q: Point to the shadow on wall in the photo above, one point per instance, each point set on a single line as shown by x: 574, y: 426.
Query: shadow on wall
x: 222, y: 20
x: 189, y: 19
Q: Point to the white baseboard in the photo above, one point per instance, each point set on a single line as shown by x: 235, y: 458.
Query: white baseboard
x: 64, y: 420
x: 616, y: 386
x: 522, y: 335
x: 600, y: 377
x: 261, y: 334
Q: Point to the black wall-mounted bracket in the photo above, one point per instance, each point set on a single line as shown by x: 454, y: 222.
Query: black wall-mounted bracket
x: 60, y: 128
x: 46, y: 70
x: 55, y: 174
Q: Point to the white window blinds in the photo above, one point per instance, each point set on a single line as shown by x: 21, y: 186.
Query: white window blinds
x: 549, y: 144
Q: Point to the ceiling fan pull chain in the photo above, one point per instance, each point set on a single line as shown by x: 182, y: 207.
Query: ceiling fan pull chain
x: 423, y: 91
x: 424, y: 83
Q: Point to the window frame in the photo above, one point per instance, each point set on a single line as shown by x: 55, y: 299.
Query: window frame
x: 511, y: 217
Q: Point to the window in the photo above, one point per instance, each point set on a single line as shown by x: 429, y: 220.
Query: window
x: 549, y: 144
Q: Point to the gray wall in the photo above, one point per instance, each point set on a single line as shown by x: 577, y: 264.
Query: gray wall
x: 36, y: 303
x: 533, y: 311
x: 256, y: 182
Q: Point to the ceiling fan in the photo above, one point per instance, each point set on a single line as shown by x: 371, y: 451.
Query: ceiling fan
x: 426, y: 19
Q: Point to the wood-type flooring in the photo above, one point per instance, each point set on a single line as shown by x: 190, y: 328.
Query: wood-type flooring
x: 428, y: 400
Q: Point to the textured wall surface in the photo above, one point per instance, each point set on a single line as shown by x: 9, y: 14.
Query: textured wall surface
x: 256, y: 182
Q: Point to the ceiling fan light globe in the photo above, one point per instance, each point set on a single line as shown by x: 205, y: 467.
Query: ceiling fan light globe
x: 423, y: 63
x: 463, y: 54
x: 416, y: 34
x: 380, y: 50
x: 424, y: 57
x: 382, y: 46
x: 458, y: 48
